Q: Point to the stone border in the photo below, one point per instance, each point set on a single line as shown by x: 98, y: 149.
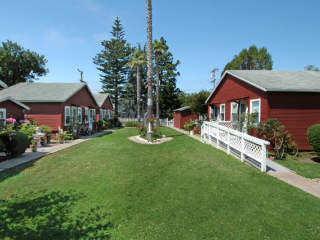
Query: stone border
x: 138, y: 139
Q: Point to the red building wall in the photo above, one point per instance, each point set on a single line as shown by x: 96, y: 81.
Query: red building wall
x: 182, y: 117
x: 107, y: 105
x: 45, y: 114
x: 296, y: 111
x: 13, y: 110
x: 232, y: 88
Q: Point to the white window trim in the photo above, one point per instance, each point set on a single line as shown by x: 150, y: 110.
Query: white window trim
x: 69, y: 115
x: 224, y: 112
x: 4, y: 115
x: 80, y: 115
x: 86, y: 115
x: 231, y: 107
x: 251, y: 108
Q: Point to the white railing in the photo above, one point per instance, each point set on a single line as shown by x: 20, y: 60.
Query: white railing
x: 242, y: 145
x: 166, y: 122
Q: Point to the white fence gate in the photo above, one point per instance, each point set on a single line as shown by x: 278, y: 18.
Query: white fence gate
x: 242, y: 145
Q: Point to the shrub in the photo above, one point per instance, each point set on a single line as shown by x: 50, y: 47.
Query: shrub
x: 131, y: 124
x: 13, y: 143
x: 189, y: 126
x: 106, y: 124
x: 116, y: 122
x: 46, y: 129
x: 28, y: 128
x: 279, y: 138
x: 313, y: 134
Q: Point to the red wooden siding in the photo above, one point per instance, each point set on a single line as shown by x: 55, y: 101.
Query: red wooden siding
x: 183, y: 117
x: 45, y: 114
x: 13, y: 110
x: 232, y: 88
x: 296, y: 111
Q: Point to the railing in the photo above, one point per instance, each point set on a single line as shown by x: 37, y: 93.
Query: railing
x: 250, y: 149
x: 166, y: 122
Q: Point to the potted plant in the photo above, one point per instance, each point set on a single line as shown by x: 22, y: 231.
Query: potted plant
x: 189, y: 127
x: 33, y: 145
x: 47, y: 131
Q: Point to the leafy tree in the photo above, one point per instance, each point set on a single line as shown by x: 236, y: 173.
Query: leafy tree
x: 169, y: 93
x: 20, y: 65
x: 113, y: 61
x: 159, y: 48
x: 137, y: 61
x: 311, y: 68
x: 250, y: 59
x: 198, y: 105
x: 149, y: 63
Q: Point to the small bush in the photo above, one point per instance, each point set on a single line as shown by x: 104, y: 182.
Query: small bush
x: 313, y: 134
x: 106, y: 124
x: 131, y: 124
x: 116, y: 122
x: 28, y: 128
x: 13, y: 143
x: 46, y: 129
x: 189, y: 126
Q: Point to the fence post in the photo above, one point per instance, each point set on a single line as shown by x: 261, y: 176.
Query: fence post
x: 228, y: 142
x: 264, y: 158
x: 242, y: 148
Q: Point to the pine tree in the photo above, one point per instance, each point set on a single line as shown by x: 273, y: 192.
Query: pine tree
x: 112, y: 62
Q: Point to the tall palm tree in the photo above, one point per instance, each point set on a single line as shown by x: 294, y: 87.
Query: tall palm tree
x: 137, y: 60
x: 158, y: 48
x: 149, y: 67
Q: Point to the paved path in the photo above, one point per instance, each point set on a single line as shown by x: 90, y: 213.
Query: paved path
x: 282, y: 173
x: 43, y: 151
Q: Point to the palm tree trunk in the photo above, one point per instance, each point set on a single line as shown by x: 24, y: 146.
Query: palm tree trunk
x: 138, y: 92
x: 149, y: 67
x: 157, y: 93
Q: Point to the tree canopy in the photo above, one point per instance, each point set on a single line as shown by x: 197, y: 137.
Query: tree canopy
x: 20, y: 65
x: 251, y: 59
x: 112, y: 62
x: 311, y: 68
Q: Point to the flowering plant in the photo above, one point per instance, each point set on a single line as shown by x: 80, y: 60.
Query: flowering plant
x: 11, y: 120
x: 24, y: 121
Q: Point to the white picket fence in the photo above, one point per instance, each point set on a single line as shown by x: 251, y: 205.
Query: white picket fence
x: 242, y: 145
x: 166, y: 122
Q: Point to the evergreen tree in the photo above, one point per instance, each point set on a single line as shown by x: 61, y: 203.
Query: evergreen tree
x: 112, y: 62
x: 169, y: 93
x: 250, y: 59
x: 311, y: 68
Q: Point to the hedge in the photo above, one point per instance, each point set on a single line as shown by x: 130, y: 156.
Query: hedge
x: 313, y: 134
x: 13, y: 143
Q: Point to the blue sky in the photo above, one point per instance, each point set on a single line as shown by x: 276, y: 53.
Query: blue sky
x: 201, y: 34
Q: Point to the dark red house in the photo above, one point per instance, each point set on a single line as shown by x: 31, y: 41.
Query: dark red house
x: 11, y: 108
x: 292, y: 97
x: 183, y: 115
x: 55, y: 104
x: 105, y: 106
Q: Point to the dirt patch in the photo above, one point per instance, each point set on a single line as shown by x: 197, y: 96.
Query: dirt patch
x: 138, y: 139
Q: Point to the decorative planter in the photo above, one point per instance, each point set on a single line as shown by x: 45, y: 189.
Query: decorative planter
x: 191, y: 132
x: 34, y: 147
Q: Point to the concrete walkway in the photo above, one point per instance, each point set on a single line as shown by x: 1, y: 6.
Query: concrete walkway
x: 43, y: 151
x: 282, y: 173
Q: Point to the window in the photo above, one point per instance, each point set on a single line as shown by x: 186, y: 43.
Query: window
x: 67, y: 116
x: 74, y: 114
x: 255, y: 110
x: 109, y: 114
x: 86, y: 115
x: 92, y: 115
x: 79, y: 115
x: 104, y: 114
x: 234, y: 111
x: 214, y: 113
x: 222, y: 112
x: 3, y: 116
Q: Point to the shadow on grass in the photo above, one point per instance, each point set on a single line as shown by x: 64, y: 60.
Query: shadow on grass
x: 15, y: 170
x: 48, y: 215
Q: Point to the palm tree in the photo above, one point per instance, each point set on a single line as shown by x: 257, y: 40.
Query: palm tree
x: 137, y: 60
x: 149, y: 67
x: 159, y: 48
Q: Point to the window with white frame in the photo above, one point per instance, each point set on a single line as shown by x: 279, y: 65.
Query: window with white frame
x: 109, y: 114
x: 222, y: 112
x: 234, y: 111
x: 86, y: 115
x: 3, y: 116
x: 92, y: 115
x: 214, y: 113
x: 255, y: 110
x: 67, y: 115
x: 79, y: 115
x: 104, y: 114
x: 74, y: 114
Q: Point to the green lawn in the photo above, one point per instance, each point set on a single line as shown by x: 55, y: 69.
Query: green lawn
x: 181, y: 189
x: 309, y: 170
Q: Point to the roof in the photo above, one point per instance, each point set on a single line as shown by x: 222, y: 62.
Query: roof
x: 182, y: 109
x: 101, y: 98
x: 277, y: 81
x: 3, y: 85
x: 14, y: 101
x: 43, y: 92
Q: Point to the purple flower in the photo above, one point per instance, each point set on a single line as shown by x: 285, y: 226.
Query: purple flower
x: 24, y: 121
x: 11, y: 120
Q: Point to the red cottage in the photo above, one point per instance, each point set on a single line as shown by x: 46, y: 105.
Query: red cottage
x: 183, y: 115
x: 105, y: 106
x: 11, y: 108
x: 292, y: 97
x: 55, y: 104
